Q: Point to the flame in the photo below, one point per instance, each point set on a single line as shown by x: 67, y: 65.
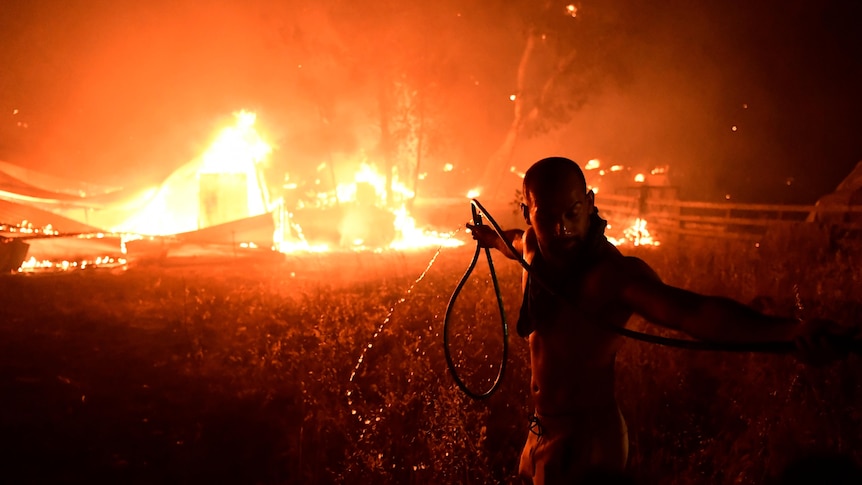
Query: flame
x: 174, y: 206
x: 592, y: 164
x: 369, y: 191
x: 368, y: 174
x: 473, y: 193
x: 33, y: 265
x: 26, y: 227
x: 408, y: 236
x: 636, y: 235
x: 636, y: 232
x: 238, y: 150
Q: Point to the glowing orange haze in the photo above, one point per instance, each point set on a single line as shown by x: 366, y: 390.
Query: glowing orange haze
x: 241, y: 150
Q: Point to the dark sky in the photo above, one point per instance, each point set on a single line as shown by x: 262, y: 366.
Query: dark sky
x: 121, y: 92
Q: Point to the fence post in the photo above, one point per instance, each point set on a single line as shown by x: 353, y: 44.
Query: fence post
x: 642, y: 202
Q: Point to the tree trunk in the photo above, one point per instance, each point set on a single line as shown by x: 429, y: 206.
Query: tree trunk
x: 501, y: 159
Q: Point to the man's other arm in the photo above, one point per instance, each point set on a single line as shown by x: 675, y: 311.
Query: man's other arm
x: 720, y: 319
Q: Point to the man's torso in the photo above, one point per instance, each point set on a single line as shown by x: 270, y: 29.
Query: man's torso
x: 572, y: 349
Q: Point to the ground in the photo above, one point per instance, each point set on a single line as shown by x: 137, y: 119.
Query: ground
x: 238, y: 370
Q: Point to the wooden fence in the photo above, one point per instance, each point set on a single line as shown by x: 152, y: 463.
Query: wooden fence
x: 673, y: 217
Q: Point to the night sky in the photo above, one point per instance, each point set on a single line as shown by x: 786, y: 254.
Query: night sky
x: 762, y: 102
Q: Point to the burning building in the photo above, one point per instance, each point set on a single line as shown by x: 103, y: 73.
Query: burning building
x: 222, y: 198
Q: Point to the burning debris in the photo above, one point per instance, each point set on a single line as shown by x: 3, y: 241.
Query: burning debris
x: 635, y: 234
x: 223, y: 198
x: 51, y: 250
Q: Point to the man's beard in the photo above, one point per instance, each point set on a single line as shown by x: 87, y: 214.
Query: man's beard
x: 565, y: 251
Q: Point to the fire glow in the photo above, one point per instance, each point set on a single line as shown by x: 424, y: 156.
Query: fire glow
x: 26, y: 234
x: 33, y: 265
x: 226, y: 185
x: 26, y: 227
x: 407, y: 234
x: 636, y: 234
x: 174, y: 207
x: 241, y: 151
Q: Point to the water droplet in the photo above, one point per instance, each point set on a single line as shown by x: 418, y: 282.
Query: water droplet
x: 382, y: 326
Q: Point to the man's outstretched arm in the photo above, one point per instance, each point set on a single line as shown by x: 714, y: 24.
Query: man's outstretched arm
x: 720, y: 319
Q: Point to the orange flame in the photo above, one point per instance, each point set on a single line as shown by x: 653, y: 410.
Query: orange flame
x: 174, y: 207
x: 407, y: 234
x: 636, y: 234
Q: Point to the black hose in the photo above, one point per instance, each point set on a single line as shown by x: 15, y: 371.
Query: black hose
x: 477, y: 220
x: 777, y: 347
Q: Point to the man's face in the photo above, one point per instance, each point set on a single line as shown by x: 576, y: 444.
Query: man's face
x: 560, y: 216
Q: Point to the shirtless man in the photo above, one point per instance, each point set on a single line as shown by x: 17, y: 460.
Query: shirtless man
x: 582, y: 283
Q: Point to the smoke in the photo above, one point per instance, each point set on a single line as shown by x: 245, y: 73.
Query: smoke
x: 754, y: 102
x: 734, y: 97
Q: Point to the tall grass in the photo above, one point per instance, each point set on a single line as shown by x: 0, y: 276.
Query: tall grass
x: 242, y: 371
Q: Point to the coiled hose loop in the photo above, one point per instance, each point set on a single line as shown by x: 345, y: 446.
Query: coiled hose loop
x: 477, y: 220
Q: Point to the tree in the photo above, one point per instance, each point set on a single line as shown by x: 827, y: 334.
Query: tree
x: 568, y: 53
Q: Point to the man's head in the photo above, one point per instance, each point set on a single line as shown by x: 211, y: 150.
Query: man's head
x: 557, y: 205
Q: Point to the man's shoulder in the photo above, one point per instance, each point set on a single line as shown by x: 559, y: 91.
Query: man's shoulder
x: 529, y: 235
x: 612, y: 260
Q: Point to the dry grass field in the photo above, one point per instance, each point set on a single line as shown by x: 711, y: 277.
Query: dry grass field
x: 238, y: 370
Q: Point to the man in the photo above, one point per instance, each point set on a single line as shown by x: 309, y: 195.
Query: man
x: 579, y: 285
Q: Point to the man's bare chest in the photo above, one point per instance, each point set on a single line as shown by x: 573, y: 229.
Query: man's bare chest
x: 580, y: 305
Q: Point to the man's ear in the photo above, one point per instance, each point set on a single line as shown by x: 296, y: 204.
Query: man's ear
x: 526, y: 211
x: 591, y: 198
